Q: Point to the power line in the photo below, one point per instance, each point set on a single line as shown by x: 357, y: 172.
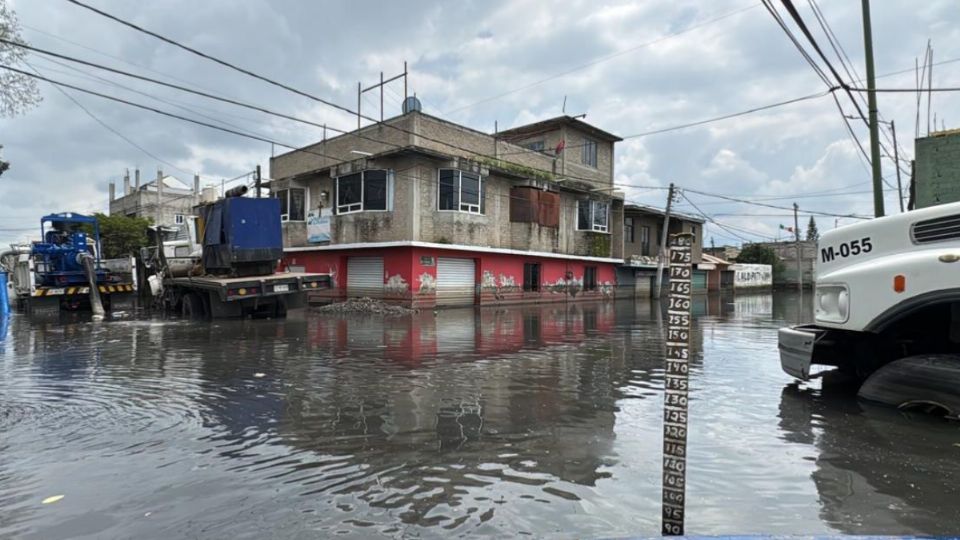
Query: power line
x: 152, y: 109
x: 906, y: 90
x: 209, y: 57
x: 792, y: 10
x: 172, y: 103
x: 729, y: 229
x: 168, y: 85
x: 733, y: 115
x: 803, y: 52
x: 744, y: 201
x: 110, y: 128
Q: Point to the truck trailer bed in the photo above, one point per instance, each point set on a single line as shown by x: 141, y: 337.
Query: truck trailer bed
x: 239, y: 288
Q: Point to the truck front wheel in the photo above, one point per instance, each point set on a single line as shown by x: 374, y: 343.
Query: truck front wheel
x: 928, y: 383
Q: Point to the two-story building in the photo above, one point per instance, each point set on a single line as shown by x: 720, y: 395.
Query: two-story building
x: 422, y: 211
x: 165, y: 201
x: 642, y: 234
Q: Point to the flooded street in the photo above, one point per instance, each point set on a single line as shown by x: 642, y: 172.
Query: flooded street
x: 541, y: 420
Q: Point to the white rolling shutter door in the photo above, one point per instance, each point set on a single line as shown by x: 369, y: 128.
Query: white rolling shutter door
x: 365, y: 277
x: 456, y: 282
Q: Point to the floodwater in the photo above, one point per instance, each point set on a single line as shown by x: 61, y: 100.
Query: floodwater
x: 541, y: 420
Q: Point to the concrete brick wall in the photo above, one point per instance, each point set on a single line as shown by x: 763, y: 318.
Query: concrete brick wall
x: 938, y: 169
x: 415, y: 215
x: 655, y: 223
x: 143, y: 203
x: 569, y: 162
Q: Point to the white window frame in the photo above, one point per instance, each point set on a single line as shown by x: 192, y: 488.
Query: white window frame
x: 594, y: 226
x: 362, y: 205
x: 178, y: 219
x: 462, y: 207
x: 593, y: 158
x: 285, y: 218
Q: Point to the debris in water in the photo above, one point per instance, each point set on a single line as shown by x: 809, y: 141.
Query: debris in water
x: 365, y: 306
x: 52, y: 499
x: 259, y: 375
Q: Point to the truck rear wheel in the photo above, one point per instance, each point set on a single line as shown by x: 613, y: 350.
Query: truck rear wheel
x: 191, y: 307
x: 926, y: 383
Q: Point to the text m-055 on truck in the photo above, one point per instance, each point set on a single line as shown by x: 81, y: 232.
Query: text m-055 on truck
x: 887, y: 310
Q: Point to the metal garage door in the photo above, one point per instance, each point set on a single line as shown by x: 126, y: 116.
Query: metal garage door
x: 365, y: 277
x: 699, y: 280
x: 456, y: 282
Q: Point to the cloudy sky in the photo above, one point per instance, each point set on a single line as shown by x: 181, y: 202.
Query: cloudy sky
x: 632, y: 67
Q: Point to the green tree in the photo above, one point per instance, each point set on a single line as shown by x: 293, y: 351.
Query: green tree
x: 122, y: 236
x: 812, y: 232
x: 759, y: 254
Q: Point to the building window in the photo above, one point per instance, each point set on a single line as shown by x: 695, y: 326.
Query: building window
x: 693, y: 229
x: 645, y: 240
x: 531, y: 277
x: 628, y: 229
x: 460, y: 191
x: 293, y: 204
x: 588, y: 153
x: 363, y: 191
x: 178, y: 219
x: 536, y: 146
x: 593, y: 216
x: 589, y: 278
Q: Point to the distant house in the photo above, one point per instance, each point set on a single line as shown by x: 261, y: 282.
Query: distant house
x: 165, y: 200
x: 642, y: 232
x: 787, y: 253
x: 421, y: 211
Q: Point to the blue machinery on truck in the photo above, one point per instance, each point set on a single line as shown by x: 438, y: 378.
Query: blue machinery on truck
x: 223, y: 262
x: 64, y: 269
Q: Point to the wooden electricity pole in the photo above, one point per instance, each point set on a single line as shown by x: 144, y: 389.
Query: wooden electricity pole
x: 661, y: 258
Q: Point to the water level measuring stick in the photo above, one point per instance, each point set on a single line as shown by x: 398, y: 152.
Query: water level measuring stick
x: 676, y: 385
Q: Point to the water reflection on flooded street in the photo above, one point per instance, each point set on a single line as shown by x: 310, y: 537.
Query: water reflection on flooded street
x: 499, y: 421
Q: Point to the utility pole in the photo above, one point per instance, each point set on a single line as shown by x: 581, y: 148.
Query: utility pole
x: 896, y: 163
x: 663, y: 241
x: 159, y: 197
x: 257, y: 180
x: 796, y: 240
x: 872, y: 105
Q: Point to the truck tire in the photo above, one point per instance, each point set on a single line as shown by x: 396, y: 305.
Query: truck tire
x: 191, y: 307
x: 927, y: 383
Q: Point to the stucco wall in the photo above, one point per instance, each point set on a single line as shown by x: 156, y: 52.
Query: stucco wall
x: 143, y: 203
x: 655, y: 222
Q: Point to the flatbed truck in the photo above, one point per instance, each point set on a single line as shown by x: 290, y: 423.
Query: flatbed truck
x: 221, y: 263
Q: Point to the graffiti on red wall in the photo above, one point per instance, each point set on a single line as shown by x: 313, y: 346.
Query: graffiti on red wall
x: 498, y: 286
x: 428, y: 283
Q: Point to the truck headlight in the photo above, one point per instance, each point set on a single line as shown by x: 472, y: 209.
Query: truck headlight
x: 832, y: 303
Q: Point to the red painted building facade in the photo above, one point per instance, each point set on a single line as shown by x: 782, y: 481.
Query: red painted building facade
x: 412, y: 274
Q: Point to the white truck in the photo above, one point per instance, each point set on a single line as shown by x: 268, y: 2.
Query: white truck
x: 887, y: 310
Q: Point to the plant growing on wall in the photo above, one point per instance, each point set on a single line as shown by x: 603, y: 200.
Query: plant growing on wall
x: 598, y: 244
x: 518, y: 170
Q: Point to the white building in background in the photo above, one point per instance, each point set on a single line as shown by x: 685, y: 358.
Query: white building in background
x: 165, y: 200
